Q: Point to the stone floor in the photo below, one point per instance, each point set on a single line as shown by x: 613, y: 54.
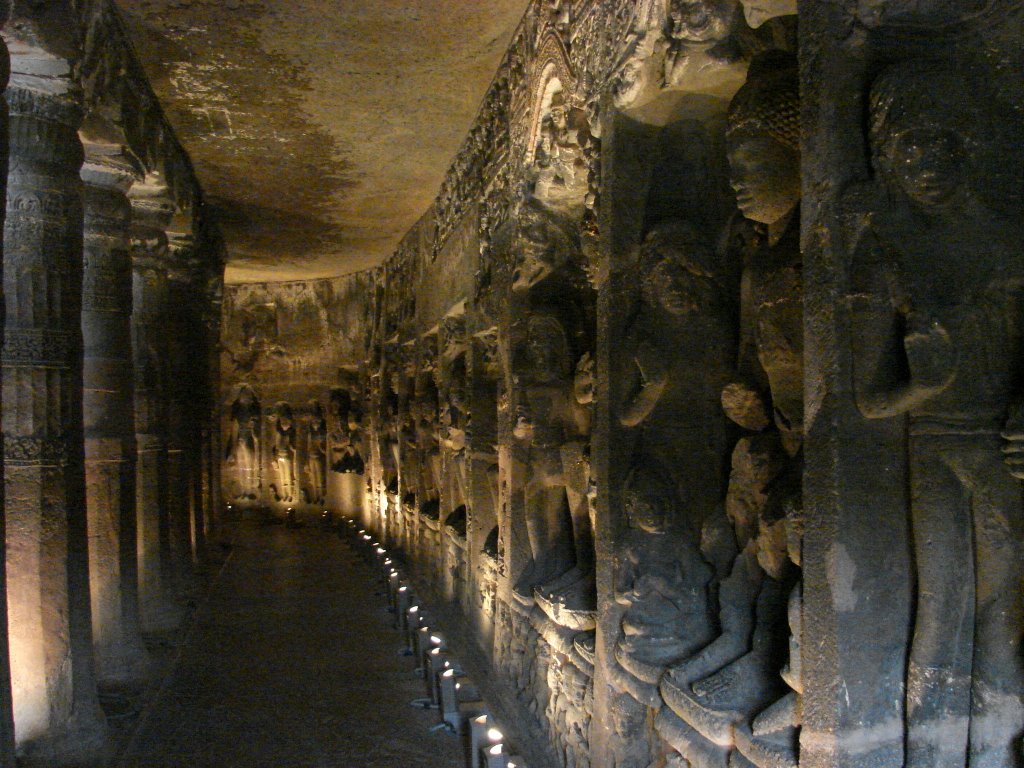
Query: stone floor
x: 291, y: 661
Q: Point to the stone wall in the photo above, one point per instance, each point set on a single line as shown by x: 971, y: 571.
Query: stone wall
x: 286, y: 350
x: 691, y: 500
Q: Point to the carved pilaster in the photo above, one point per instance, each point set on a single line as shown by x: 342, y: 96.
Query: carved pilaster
x: 183, y: 388
x: 214, y: 295
x: 109, y: 416
x: 151, y: 212
x: 6, y: 705
x: 55, y: 706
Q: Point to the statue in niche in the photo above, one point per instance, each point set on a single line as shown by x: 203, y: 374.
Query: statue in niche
x: 452, y: 420
x: 560, y: 157
x: 699, y: 33
x: 679, y: 353
x: 243, y: 445
x: 938, y: 295
x: 284, y: 453
x: 345, y: 439
x: 662, y: 585
x: 316, y: 453
x: 763, y: 142
x: 544, y: 249
x: 389, y: 435
x: 737, y: 675
x: 554, y: 428
x: 428, y: 434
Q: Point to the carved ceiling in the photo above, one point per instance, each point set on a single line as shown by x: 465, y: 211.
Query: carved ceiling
x: 320, y: 129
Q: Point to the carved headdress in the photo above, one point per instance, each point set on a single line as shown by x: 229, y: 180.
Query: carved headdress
x: 922, y: 94
x: 768, y: 104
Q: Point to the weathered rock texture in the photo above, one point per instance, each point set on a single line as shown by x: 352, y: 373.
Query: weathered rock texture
x: 320, y: 130
x: 692, y: 502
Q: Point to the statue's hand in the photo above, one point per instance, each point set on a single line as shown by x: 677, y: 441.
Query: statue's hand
x: 523, y: 428
x: 1013, y: 437
x: 930, y: 354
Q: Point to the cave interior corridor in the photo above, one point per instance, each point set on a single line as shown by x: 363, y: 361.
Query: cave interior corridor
x: 520, y: 384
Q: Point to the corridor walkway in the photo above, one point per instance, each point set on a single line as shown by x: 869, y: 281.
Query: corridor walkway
x: 292, y: 662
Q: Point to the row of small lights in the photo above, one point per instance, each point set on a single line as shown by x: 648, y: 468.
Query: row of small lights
x: 447, y: 688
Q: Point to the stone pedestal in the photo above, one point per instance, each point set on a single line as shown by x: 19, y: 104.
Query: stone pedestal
x: 109, y: 418
x: 151, y: 211
x: 56, y: 711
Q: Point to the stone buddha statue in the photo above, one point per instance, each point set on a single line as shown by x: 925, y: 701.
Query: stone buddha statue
x: 763, y: 144
x: 936, y: 303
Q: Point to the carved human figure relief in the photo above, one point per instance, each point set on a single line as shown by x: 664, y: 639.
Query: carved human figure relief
x: 763, y: 142
x: 345, y: 438
x: 718, y: 691
x: 284, y: 453
x: 662, y: 585
x: 549, y: 421
x: 938, y: 280
x: 698, y: 31
x: 316, y: 453
x: 243, y: 444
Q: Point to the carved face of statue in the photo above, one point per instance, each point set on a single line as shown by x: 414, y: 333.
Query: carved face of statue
x: 631, y: 82
x: 645, y: 511
x: 765, y: 174
x: 546, y: 350
x: 671, y: 287
x: 926, y: 163
x: 701, y: 20
x: 757, y: 12
x: 535, y: 257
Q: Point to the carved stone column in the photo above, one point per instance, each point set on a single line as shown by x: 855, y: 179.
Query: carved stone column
x: 6, y: 707
x: 212, y: 326
x: 151, y: 211
x: 183, y: 381
x: 109, y: 416
x: 56, y: 710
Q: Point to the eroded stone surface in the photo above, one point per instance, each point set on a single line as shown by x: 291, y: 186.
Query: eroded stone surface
x: 321, y: 132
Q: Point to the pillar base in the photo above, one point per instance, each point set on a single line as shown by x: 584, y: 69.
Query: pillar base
x: 82, y: 742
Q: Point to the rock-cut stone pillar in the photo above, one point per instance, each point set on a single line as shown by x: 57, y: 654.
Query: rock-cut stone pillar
x: 180, y: 396
x: 6, y: 706
x: 151, y: 211
x: 56, y: 711
x: 108, y: 404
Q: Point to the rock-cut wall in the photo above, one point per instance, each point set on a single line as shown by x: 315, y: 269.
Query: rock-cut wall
x: 694, y: 400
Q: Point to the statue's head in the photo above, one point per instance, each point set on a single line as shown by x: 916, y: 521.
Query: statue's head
x: 700, y: 21
x: 245, y: 395
x: 316, y: 411
x: 763, y: 139
x: 676, y: 269
x: 648, y: 499
x: 283, y: 413
x: 920, y: 124
x: 542, y: 244
x: 546, y: 351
